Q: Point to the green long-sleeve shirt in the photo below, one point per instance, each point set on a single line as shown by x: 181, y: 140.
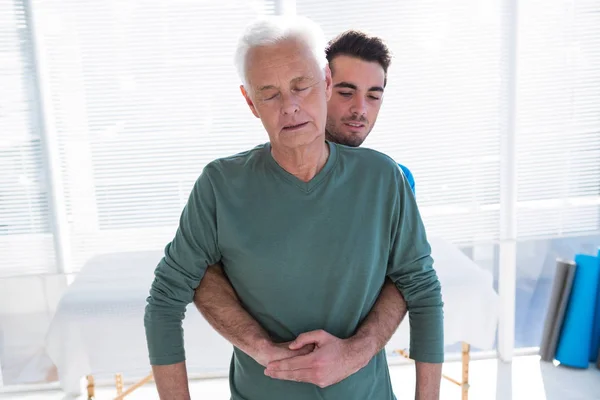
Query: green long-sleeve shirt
x: 301, y: 256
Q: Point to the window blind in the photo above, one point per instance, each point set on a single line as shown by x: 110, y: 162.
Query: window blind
x: 145, y: 95
x: 558, y: 118
x: 26, y: 242
x: 444, y: 108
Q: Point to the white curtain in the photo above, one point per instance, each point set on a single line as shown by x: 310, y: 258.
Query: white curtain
x: 140, y: 95
x: 26, y: 241
x: 444, y: 107
x: 145, y: 94
x: 558, y: 118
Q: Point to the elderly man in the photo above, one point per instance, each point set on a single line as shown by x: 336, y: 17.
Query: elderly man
x: 307, y: 232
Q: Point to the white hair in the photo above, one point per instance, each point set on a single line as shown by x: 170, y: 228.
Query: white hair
x: 271, y: 30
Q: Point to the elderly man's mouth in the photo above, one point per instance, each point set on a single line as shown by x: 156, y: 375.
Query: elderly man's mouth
x: 291, y: 128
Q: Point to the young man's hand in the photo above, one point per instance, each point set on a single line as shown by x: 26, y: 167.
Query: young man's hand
x: 272, y: 352
x: 332, y: 360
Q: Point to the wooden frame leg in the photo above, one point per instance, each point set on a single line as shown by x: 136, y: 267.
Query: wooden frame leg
x: 91, y: 387
x: 119, y: 383
x: 135, y: 386
x: 466, y: 358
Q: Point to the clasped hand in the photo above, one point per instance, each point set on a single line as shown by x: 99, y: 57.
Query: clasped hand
x: 318, y: 358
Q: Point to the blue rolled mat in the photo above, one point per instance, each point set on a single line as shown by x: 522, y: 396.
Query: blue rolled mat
x: 576, y: 336
x: 595, y: 347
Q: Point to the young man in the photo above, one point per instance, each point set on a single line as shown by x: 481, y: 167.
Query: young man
x: 306, y: 265
x: 359, y: 64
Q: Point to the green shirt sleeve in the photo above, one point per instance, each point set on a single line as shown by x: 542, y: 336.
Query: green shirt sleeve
x: 193, y: 248
x: 411, y: 269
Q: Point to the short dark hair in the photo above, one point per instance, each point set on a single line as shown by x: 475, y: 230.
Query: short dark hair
x: 362, y: 46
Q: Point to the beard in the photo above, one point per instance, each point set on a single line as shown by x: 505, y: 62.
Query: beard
x: 349, y: 139
x: 346, y: 140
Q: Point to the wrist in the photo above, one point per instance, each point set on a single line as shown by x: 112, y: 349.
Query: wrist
x: 259, y: 349
x: 362, y: 348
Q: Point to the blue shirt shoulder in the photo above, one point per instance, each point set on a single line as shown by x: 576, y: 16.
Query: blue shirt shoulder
x: 409, y: 176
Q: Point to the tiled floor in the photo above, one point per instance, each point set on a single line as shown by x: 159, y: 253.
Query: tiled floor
x: 525, y: 379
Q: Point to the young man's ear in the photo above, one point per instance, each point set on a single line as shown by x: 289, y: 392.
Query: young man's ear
x: 248, y: 101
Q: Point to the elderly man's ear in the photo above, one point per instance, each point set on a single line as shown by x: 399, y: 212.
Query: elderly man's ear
x: 248, y: 101
x: 328, y: 82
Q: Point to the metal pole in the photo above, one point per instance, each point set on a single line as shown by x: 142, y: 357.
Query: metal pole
x: 508, y: 194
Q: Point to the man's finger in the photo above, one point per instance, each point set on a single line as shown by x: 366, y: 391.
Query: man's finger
x: 300, y: 375
x: 292, y: 363
x: 313, y: 337
x: 305, y: 350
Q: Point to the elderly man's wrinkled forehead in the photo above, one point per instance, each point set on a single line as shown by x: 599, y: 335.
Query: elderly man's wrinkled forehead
x: 281, y: 64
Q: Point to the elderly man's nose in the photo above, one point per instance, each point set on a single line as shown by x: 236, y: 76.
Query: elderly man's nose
x: 290, y: 105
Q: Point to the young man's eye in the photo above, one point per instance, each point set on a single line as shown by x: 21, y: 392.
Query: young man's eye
x: 345, y: 94
x: 374, y: 97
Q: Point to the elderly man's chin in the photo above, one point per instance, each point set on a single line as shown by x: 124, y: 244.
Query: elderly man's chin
x: 301, y: 137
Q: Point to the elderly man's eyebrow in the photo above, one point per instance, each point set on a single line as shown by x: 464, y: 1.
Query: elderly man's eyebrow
x: 267, y: 87
x: 303, y: 78
x: 298, y: 79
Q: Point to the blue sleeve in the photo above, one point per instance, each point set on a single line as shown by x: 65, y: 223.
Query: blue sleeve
x: 409, y: 177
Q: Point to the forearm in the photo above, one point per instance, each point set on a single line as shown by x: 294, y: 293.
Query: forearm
x: 216, y: 299
x: 429, y: 377
x: 382, y: 321
x: 171, y: 381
